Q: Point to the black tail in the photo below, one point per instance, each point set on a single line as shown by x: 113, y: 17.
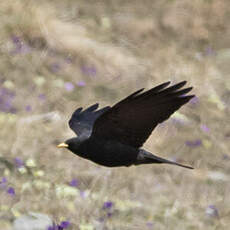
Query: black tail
x: 145, y: 157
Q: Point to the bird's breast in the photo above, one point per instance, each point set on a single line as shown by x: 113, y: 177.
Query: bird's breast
x: 108, y: 153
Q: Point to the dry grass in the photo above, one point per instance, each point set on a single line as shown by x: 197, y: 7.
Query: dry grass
x: 114, y: 48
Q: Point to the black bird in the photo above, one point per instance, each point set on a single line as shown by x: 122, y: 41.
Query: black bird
x: 113, y: 136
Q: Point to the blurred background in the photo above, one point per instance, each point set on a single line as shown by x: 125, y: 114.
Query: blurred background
x: 59, y: 55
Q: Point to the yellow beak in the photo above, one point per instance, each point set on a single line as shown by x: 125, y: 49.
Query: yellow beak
x: 63, y: 145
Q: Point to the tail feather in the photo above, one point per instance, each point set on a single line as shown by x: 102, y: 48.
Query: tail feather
x: 145, y: 157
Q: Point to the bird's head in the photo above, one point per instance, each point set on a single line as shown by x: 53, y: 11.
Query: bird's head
x: 71, y: 144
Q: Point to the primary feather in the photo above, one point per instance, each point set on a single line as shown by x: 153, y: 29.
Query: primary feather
x: 82, y: 122
x: 133, y: 119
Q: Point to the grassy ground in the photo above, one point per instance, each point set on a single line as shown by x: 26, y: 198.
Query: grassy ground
x: 59, y: 55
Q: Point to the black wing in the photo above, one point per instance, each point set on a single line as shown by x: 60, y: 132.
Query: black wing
x: 82, y: 121
x: 133, y: 119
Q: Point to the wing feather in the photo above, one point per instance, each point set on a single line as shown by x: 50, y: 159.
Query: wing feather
x: 82, y: 121
x: 133, y: 119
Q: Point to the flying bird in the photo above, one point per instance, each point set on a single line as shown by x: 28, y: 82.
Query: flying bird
x: 113, y: 136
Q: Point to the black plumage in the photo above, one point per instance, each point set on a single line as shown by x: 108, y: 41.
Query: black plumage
x: 113, y: 136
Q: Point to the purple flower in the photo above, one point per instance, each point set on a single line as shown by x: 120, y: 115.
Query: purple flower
x: 11, y: 191
x: 53, y: 227
x: 4, y: 180
x: 28, y: 108
x: 149, y: 225
x: 109, y: 214
x: 68, y: 60
x: 64, y: 224
x: 74, y: 183
x: 18, y: 162
x: 226, y: 157
x: 19, y: 46
x: 108, y: 205
x: 212, y: 211
x: 194, y: 143
x: 69, y: 86
x: 16, y: 39
x: 204, y: 128
x: 90, y: 71
x: 3, y: 183
x: 61, y: 226
x: 81, y: 83
x: 209, y: 51
x: 42, y: 97
x: 6, y: 92
x: 55, y: 67
x: 6, y: 101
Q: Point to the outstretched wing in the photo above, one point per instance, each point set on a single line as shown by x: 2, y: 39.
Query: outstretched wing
x: 133, y: 119
x: 82, y: 121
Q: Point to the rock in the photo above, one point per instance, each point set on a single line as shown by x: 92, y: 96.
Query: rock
x: 32, y: 221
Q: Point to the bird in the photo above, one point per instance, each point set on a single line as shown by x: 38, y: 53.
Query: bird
x: 113, y: 135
